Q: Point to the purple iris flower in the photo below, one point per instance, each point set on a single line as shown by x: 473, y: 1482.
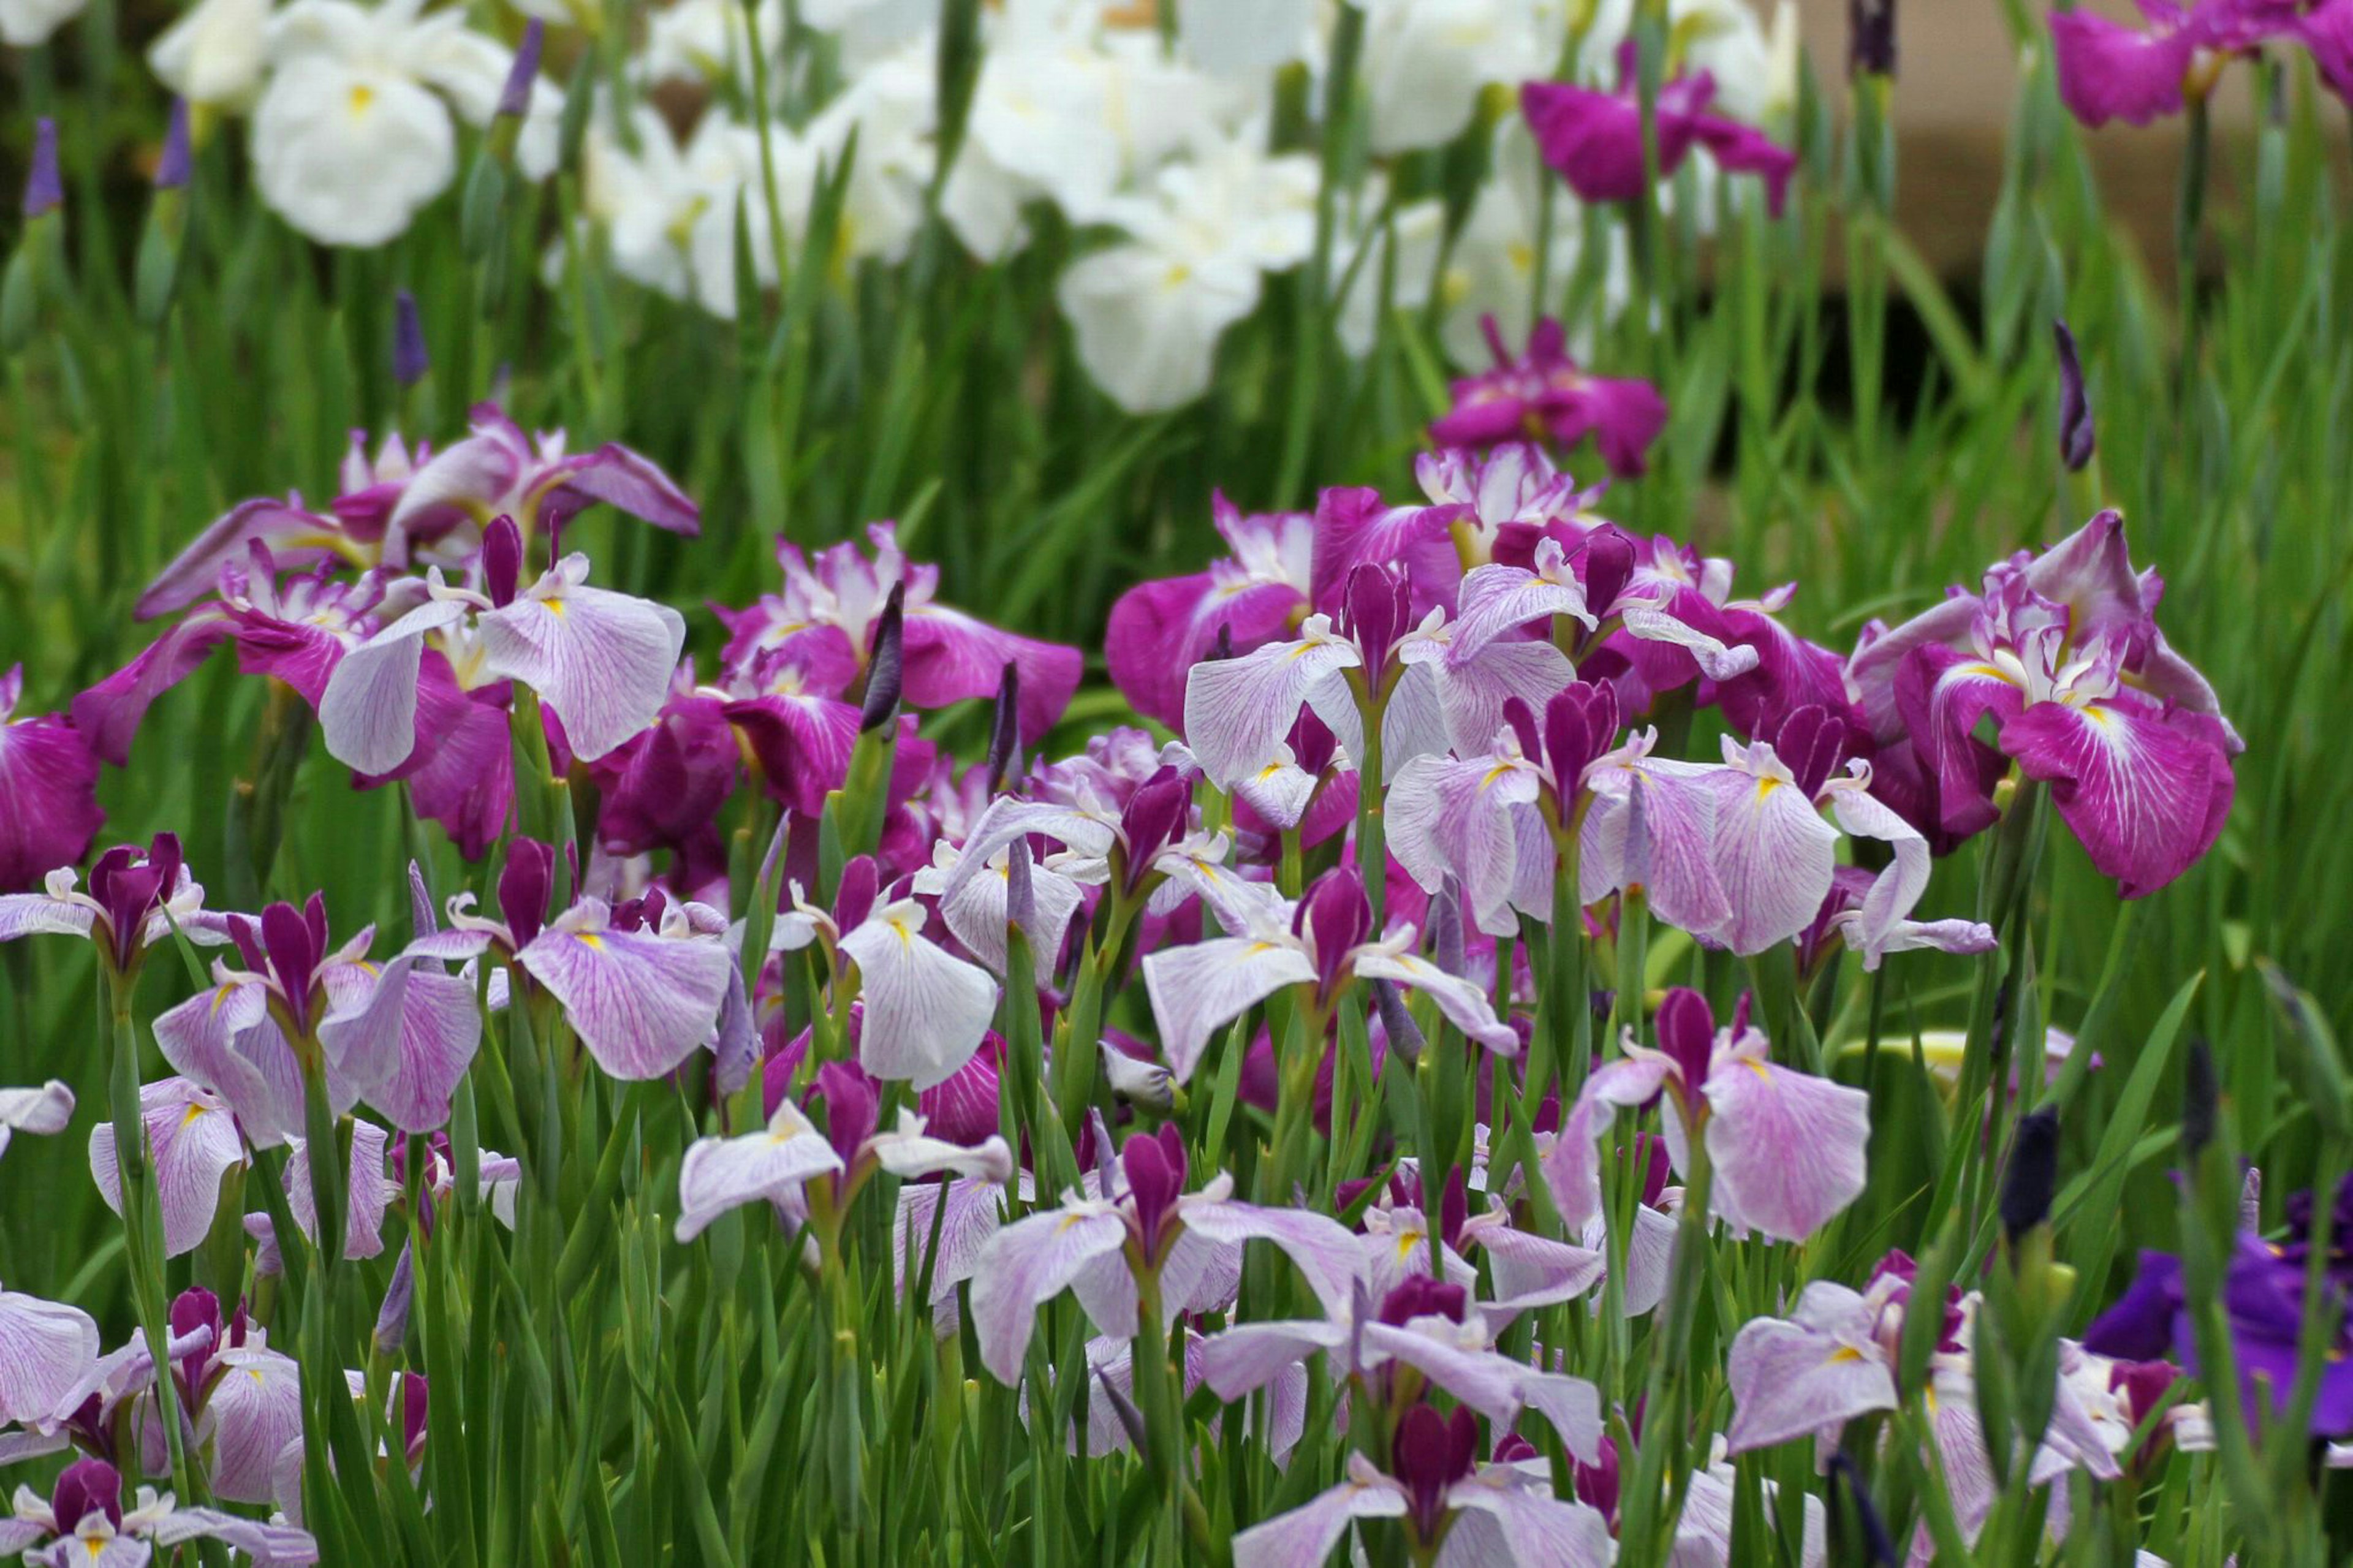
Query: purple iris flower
x: 83, y: 1524
x: 398, y: 1034
x: 50, y: 778
x: 400, y: 509
x: 2262, y: 1304
x: 1322, y: 945
x: 2085, y: 696
x: 1594, y: 139
x: 827, y: 613
x: 1249, y: 597
x: 1134, y: 1219
x: 2110, y: 70
x: 1541, y: 396
x: 1787, y: 1147
x: 1499, y: 1512
x: 133, y: 900
x: 48, y: 1348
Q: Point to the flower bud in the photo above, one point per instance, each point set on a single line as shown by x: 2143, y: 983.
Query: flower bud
x: 409, y: 359
x: 2076, y: 436
x: 2032, y: 1178
x: 884, y: 663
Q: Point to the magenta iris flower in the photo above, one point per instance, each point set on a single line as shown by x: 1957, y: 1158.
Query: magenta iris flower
x: 1541, y: 394
x: 83, y: 1524
x: 1247, y: 598
x: 1594, y: 139
x: 50, y: 780
x: 2111, y: 70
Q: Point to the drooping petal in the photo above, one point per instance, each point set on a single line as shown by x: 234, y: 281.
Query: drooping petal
x: 1305, y: 1537
x: 1788, y: 1147
x: 294, y: 537
x: 1790, y: 1380
x: 602, y: 660
x: 192, y: 1142
x: 1453, y: 818
x: 1248, y: 1356
x: 46, y: 1349
x: 1463, y: 1001
x: 1773, y: 858
x: 1472, y: 690
x: 926, y: 1010
x: 803, y: 745
x: 368, y: 712
x: 1237, y: 711
x: 976, y: 916
x: 621, y: 479
x: 951, y: 656
x: 253, y: 1409
x: 2144, y: 789
x: 49, y: 798
x: 1534, y: 1271
x: 368, y: 1193
x: 1665, y: 841
x: 405, y: 1050
x: 1198, y: 989
x: 2108, y: 70
x: 1572, y: 1167
x: 640, y: 1003
x: 1322, y: 1247
x: 1027, y: 1264
x: 1536, y: 1529
x: 972, y: 1217
x: 223, y: 1039
x: 44, y: 1110
x: 721, y: 1173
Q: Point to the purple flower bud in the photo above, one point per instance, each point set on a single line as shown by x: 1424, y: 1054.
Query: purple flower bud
x: 515, y: 100
x: 295, y: 953
x: 173, y: 168
x: 1809, y: 745
x: 1871, y: 38
x: 409, y: 359
x: 1431, y: 1453
x: 1005, y: 730
x: 1377, y: 612
x: 1523, y: 722
x: 1405, y: 1036
x: 2077, y: 438
x: 884, y: 663
x: 501, y: 548
x: 524, y: 883
x: 391, y: 1318
x: 44, y: 190
x: 1313, y: 744
x: 1424, y: 1296
x: 1131, y: 1419
x: 853, y: 900
x: 1651, y: 1155
x: 1608, y: 567
x: 192, y: 1310
x: 2032, y: 1178
x: 1580, y: 723
x: 87, y: 1486
x: 1221, y: 647
x: 1155, y: 1169
x: 415, y: 1399
x: 851, y: 1107
x: 1155, y: 814
x: 1686, y: 1026
x: 1021, y: 892
x: 1453, y: 1208
x: 1596, y: 1484
x: 1336, y: 919
x: 130, y: 886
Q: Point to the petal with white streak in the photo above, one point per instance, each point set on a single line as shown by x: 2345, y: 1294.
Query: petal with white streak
x: 925, y: 1010
x: 1198, y: 989
x: 603, y: 660
x: 368, y: 712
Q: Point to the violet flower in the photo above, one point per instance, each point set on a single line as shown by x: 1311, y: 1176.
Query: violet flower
x: 1251, y: 596
x: 50, y: 780
x: 1787, y: 1147
x: 398, y: 1035
x: 2109, y: 70
x: 134, y: 900
x: 1504, y: 1513
x: 1594, y: 139
x: 601, y: 660
x: 192, y: 1142
x: 1132, y: 1226
x: 1320, y: 945
x: 2086, y: 697
x: 828, y: 609
x: 429, y: 509
x: 83, y: 1524
x: 48, y: 1348
x: 1541, y: 396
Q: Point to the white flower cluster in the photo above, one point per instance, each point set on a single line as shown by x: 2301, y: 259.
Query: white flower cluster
x: 1149, y: 128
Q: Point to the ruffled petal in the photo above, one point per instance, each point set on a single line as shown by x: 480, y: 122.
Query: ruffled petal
x: 641, y: 1004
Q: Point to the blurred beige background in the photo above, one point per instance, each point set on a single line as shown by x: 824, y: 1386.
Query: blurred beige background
x: 1957, y: 82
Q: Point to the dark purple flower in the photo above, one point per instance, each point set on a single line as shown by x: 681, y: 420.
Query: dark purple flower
x: 44, y: 190
x: 1431, y: 1453
x: 87, y: 1486
x: 49, y: 792
x: 409, y: 359
x: 851, y: 1107
x: 2076, y: 435
x: 131, y: 887
x: 1871, y: 38
x: 1542, y: 394
x: 2110, y: 70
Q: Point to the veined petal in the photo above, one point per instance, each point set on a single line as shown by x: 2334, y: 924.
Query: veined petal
x: 1534, y: 1271
x: 951, y: 657
x: 368, y: 1193
x: 269, y: 1546
x: 721, y: 1173
x: 46, y: 1349
x: 1791, y: 1382
x: 1248, y: 1356
x: 44, y: 1110
x: 603, y: 660
x: 368, y: 712
x: 976, y: 916
x: 1453, y: 1358
x: 1536, y: 1530
x: 1496, y: 600
x: 1660, y: 624
x: 803, y: 745
x: 1665, y: 841
x: 1472, y: 691
x: 1198, y: 989
x: 907, y: 1152
x: 1028, y: 1263
x: 193, y: 1143
x: 1571, y: 1167
x: 972, y: 1217
x: 1305, y: 1537
x: 38, y: 914
x: 925, y: 1010
x: 641, y: 1004
x: 1448, y: 817
x: 295, y: 538
x: 252, y: 1411
x: 1007, y: 820
x: 1323, y: 1250
x: 1237, y: 711
x: 1788, y: 1147
x: 1773, y: 858
x: 2144, y: 789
